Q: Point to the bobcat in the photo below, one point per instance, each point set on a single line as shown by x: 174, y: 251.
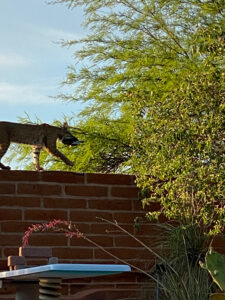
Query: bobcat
x: 38, y: 136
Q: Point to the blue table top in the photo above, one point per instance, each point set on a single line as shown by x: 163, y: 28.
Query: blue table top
x: 64, y: 271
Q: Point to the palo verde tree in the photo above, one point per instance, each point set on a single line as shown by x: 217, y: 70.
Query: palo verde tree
x: 159, y: 65
x: 151, y: 73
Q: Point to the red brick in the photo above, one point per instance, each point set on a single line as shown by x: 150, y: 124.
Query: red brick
x: 79, y: 242
x: 112, y: 205
x: 124, y: 253
x: 44, y: 214
x: 126, y: 241
x: 83, y: 227
x: 15, y: 226
x: 105, y: 241
x: 47, y: 239
x: 124, y: 192
x: 88, y: 191
x: 126, y: 217
x: 7, y: 188
x: 128, y: 286
x: 20, y: 201
x: 220, y: 250
x: 8, y: 175
x: 110, y: 179
x: 64, y: 203
x: 10, y: 240
x: 35, y: 252
x: 87, y: 216
x: 102, y: 292
x: 39, y: 189
x: 10, y: 251
x: 3, y: 266
x: 73, y: 253
x: 100, y: 254
x: 218, y: 242
x: 10, y: 214
x: 128, y: 277
x: 103, y: 228
x: 59, y: 176
x: 90, y: 197
x: 144, y: 264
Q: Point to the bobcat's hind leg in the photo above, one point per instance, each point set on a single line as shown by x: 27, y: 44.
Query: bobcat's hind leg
x: 3, y: 148
x: 36, y: 154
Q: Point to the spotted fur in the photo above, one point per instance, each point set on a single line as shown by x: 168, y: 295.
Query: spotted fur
x: 38, y: 136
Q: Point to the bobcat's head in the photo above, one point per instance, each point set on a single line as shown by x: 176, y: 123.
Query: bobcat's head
x: 67, y: 138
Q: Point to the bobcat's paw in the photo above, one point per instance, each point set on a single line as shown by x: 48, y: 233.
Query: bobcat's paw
x: 3, y: 167
x: 39, y: 169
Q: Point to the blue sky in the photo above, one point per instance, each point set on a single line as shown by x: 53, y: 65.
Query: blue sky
x: 32, y: 63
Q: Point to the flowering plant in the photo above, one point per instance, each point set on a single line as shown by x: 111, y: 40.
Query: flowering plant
x: 70, y: 230
x: 66, y: 227
x: 176, y: 280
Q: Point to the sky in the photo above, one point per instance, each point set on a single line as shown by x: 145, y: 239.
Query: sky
x: 32, y: 62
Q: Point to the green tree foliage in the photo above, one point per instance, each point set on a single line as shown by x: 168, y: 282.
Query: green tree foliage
x: 152, y: 77
x: 160, y: 65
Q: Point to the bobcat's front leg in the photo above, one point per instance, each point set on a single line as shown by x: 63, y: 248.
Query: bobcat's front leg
x: 54, y: 151
x: 36, y: 154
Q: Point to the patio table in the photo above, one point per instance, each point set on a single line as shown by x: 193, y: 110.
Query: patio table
x: 44, y: 282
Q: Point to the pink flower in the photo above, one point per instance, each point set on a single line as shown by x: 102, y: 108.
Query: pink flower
x: 68, y: 228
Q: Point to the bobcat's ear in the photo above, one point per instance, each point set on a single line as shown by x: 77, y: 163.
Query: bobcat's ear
x: 65, y: 125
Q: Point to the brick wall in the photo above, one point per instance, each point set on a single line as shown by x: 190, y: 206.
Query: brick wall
x: 28, y: 197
